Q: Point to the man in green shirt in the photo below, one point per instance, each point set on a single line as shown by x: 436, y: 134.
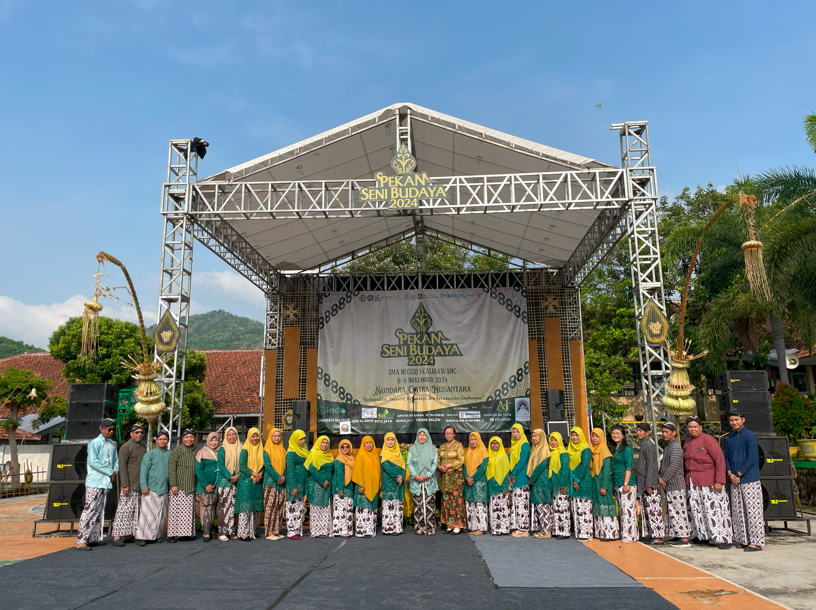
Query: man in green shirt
x: 181, y: 472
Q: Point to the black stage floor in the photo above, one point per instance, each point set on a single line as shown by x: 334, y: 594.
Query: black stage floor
x: 406, y: 571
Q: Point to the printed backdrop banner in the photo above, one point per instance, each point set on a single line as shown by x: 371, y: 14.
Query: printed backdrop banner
x: 398, y: 361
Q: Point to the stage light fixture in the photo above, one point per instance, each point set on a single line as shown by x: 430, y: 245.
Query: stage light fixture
x: 200, y: 147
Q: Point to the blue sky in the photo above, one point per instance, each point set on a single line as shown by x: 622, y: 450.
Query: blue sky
x: 92, y: 92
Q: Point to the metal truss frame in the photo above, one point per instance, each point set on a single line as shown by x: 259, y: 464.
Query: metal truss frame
x: 625, y: 198
x: 644, y: 263
x: 176, y: 273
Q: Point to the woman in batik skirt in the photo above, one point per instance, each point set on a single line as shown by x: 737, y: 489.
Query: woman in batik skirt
x: 498, y: 487
x: 451, y: 458
x: 392, y: 465
x: 560, y: 482
x: 519, y: 482
x: 249, y: 494
x: 343, y: 491
x: 206, y: 475
x: 319, y: 467
x: 422, y: 463
x: 181, y: 472
x: 538, y: 471
x: 228, y: 457
x: 153, y: 478
x: 274, y: 490
x: 476, y: 498
x: 604, y: 511
x: 581, y: 488
x: 367, y: 476
x: 296, y: 455
x: 624, y: 481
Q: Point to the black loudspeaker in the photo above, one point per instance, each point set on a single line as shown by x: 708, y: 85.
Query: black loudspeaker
x: 745, y: 402
x: 66, y: 501
x: 69, y: 462
x: 79, y: 430
x: 774, y: 457
x: 758, y: 423
x: 742, y: 381
x: 300, y: 415
x: 91, y: 411
x: 778, y: 499
x: 562, y: 427
x: 93, y: 392
x: 555, y: 405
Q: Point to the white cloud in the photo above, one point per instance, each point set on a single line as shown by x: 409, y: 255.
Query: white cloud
x: 34, y: 324
x: 230, y: 284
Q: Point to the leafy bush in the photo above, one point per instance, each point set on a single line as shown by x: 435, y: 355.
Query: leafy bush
x: 793, y: 414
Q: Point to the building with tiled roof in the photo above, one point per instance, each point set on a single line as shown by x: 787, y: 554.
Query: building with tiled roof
x: 233, y: 384
x: 20, y: 436
x: 44, y: 365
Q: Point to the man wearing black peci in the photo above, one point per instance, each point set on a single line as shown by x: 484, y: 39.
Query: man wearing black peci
x: 742, y: 470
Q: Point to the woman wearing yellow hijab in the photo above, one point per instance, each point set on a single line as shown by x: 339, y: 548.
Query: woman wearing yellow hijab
x: 393, y: 485
x: 604, y: 511
x: 538, y: 469
x: 296, y: 455
x: 229, y: 455
x: 498, y: 487
x: 249, y: 496
x: 560, y: 483
x: 343, y: 491
x: 475, y: 471
x: 274, y: 480
x: 519, y: 482
x: 320, y: 467
x: 367, y: 476
x: 581, y: 488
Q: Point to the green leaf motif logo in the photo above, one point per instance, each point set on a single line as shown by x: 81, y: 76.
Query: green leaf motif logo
x: 421, y: 321
x: 403, y: 162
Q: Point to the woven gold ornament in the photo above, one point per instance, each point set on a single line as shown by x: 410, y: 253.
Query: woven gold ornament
x: 752, y: 249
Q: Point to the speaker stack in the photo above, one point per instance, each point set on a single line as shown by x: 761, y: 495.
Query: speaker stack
x: 88, y: 405
x: 746, y: 392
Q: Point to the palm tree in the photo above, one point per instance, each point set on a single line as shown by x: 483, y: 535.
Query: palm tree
x: 810, y: 130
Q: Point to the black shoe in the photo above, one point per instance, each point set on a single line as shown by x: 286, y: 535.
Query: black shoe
x: 751, y: 549
x: 129, y: 540
x: 172, y: 539
x: 679, y: 544
x: 100, y: 543
x: 562, y: 537
x: 141, y: 543
x: 119, y: 542
x: 207, y: 538
x: 83, y: 548
x: 723, y: 547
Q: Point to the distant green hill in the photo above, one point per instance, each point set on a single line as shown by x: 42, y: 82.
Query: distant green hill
x: 10, y: 347
x: 222, y: 330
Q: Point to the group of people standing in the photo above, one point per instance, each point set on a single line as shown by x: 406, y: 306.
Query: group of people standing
x: 541, y: 485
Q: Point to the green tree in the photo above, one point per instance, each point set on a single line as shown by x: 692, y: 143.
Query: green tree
x: 810, y: 130
x: 21, y: 392
x: 117, y: 340
x: 10, y: 347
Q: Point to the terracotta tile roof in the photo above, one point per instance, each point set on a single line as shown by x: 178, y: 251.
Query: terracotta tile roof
x: 19, y: 434
x: 41, y: 363
x: 233, y: 380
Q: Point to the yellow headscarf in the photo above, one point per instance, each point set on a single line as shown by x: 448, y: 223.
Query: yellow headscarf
x: 254, y: 452
x: 367, y: 469
x: 516, y: 445
x: 276, y: 452
x: 498, y: 466
x: 318, y: 457
x: 474, y: 457
x: 392, y: 454
x: 555, y: 454
x: 346, y: 460
x: 575, y: 449
x: 232, y: 451
x: 295, y: 446
x: 599, y: 452
x: 539, y: 452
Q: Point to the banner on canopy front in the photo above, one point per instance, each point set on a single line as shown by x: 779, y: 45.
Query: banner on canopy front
x: 396, y: 361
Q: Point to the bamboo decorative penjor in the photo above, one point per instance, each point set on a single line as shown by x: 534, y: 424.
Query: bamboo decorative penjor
x: 678, y: 389
x: 752, y: 249
x: 148, y: 395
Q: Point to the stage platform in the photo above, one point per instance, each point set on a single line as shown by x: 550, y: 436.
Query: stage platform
x: 406, y: 571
